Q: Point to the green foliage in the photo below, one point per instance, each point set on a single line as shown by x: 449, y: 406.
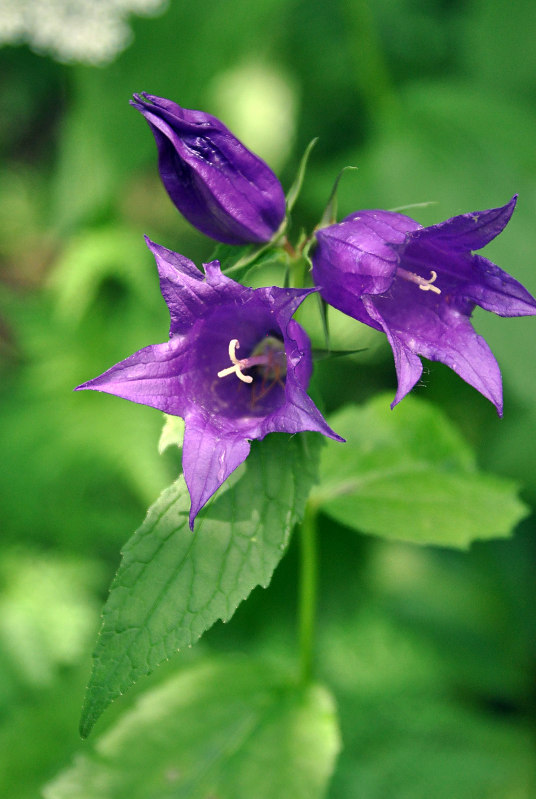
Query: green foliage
x: 105, y: 253
x: 174, y: 584
x: 408, y: 731
x: 429, y: 653
x: 47, y: 613
x: 408, y: 475
x: 172, y: 434
x: 228, y: 728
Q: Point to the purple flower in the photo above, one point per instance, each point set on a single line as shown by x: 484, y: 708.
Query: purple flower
x: 221, y: 187
x: 235, y: 368
x: 420, y: 286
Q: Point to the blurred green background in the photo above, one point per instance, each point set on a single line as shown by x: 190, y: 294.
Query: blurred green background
x: 431, y: 654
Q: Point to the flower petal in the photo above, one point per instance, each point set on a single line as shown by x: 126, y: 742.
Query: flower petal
x: 187, y: 293
x: 497, y: 291
x: 407, y: 364
x: 439, y: 332
x: 359, y: 252
x: 150, y: 376
x: 208, y: 458
x: 468, y: 232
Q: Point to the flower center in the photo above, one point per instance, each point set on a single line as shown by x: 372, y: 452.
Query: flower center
x: 422, y: 283
x: 269, y: 354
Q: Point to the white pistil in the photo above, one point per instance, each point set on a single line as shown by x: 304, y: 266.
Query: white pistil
x: 234, y: 344
x: 264, y: 358
x: 422, y: 283
x: 426, y: 285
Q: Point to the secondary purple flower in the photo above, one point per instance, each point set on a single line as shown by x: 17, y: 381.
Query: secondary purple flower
x: 219, y: 185
x: 420, y: 286
x: 235, y: 368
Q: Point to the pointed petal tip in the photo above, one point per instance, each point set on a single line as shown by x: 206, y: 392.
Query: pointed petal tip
x: 400, y: 394
x: 139, y: 101
x: 139, y: 97
x: 212, y: 267
x: 158, y: 250
x: 511, y: 204
x: 88, y: 386
x: 84, y: 386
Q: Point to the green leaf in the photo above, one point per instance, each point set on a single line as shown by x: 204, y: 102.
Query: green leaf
x: 226, y: 728
x: 408, y: 475
x: 230, y: 254
x: 251, y: 265
x: 173, y: 584
x: 172, y: 434
x: 47, y: 613
x: 95, y: 255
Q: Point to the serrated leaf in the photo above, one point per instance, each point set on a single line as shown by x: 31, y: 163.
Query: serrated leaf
x: 173, y: 584
x: 229, y: 728
x: 408, y: 475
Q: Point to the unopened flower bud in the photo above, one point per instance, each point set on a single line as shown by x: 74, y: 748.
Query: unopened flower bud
x: 221, y: 187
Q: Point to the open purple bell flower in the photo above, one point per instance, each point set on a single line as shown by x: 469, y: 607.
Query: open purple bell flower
x: 420, y: 286
x: 219, y: 185
x: 235, y: 368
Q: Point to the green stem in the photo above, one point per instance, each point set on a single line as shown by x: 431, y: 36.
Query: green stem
x: 298, y: 272
x: 307, y: 594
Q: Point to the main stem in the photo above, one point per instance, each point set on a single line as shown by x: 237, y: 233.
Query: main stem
x: 307, y: 590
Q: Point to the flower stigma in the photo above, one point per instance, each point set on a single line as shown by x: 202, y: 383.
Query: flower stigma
x: 422, y: 283
x: 238, y: 365
x: 269, y: 354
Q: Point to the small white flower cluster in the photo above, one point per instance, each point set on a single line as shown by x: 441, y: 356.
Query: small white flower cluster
x: 84, y: 31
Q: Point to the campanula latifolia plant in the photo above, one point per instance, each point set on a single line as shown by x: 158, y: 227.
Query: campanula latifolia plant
x: 258, y: 457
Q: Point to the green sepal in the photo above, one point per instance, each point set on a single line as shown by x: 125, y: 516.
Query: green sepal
x: 329, y: 217
x: 295, y: 189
